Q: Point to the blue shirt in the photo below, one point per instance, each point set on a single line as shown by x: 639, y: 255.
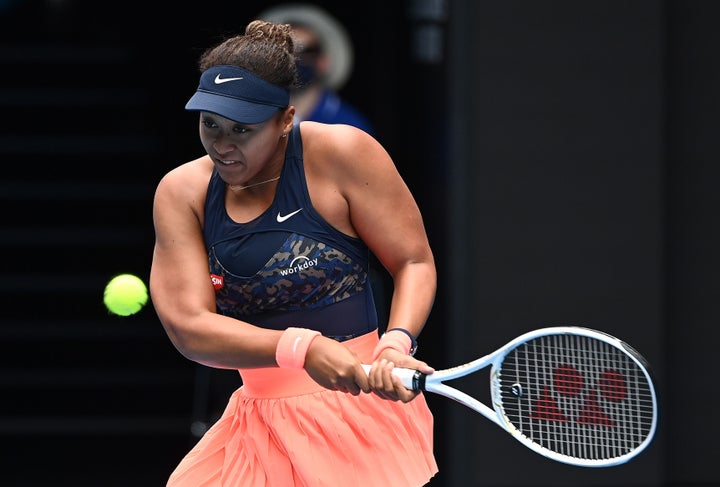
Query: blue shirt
x: 333, y: 109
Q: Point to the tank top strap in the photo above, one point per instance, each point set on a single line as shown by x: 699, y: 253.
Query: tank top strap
x: 215, y: 217
x: 292, y: 191
x: 294, y: 149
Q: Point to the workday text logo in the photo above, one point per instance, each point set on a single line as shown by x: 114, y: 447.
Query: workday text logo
x: 298, y: 264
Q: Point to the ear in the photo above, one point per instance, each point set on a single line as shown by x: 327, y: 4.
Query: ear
x: 288, y: 118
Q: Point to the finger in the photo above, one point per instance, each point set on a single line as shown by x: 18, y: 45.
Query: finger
x: 388, y: 387
x: 403, y: 393
x: 362, y: 379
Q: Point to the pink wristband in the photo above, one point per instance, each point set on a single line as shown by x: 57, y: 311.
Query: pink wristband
x: 397, y: 341
x: 293, y: 346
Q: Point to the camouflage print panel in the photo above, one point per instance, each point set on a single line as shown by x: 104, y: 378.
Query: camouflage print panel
x: 303, y: 274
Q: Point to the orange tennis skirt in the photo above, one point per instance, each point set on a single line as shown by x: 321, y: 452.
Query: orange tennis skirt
x: 282, y: 429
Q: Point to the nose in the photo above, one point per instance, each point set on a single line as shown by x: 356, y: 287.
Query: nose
x: 223, y: 144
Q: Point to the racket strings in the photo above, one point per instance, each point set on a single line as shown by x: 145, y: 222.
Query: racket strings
x: 577, y: 396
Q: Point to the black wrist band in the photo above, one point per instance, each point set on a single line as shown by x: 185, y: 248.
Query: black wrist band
x: 413, y: 341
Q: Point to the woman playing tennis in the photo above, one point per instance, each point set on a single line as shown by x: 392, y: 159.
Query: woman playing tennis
x: 261, y: 265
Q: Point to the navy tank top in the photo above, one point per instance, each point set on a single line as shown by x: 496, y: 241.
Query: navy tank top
x: 288, y: 266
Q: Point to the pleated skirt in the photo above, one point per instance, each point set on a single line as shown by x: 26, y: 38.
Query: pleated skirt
x: 282, y: 429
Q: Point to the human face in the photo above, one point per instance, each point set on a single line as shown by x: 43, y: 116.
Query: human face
x: 311, y: 60
x: 242, y: 153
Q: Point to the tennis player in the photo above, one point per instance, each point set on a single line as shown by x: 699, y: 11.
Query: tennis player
x: 261, y: 265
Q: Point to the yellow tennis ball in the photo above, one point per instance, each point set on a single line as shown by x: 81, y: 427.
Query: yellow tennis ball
x: 125, y: 295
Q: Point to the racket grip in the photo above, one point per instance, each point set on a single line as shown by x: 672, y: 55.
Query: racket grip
x: 410, y: 378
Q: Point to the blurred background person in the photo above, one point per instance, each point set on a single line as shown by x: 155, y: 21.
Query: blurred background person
x: 325, y: 62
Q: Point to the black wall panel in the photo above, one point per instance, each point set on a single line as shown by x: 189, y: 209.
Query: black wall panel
x: 582, y: 166
x: 564, y: 218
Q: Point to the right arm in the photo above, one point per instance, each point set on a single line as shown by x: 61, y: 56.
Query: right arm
x: 180, y: 286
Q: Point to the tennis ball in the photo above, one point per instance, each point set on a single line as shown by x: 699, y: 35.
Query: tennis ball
x: 125, y: 295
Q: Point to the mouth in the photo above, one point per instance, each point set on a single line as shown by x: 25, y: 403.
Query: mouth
x: 227, y: 163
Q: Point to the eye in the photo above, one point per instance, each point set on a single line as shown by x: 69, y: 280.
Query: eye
x: 208, y: 123
x: 239, y: 129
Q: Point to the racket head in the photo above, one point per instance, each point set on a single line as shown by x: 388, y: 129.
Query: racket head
x: 575, y: 395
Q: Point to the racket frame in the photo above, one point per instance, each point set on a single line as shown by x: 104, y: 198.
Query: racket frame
x: 435, y: 383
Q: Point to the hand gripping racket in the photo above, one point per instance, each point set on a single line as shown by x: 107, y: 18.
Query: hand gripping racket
x: 572, y: 394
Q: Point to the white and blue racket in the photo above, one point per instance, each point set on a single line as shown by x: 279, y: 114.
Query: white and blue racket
x: 572, y: 394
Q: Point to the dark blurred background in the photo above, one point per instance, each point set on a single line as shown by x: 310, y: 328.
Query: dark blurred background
x: 564, y: 155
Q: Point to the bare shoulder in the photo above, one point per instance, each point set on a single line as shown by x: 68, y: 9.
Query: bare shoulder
x: 341, y: 146
x: 185, y: 183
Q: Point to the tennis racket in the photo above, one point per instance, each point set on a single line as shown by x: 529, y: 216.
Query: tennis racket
x: 572, y: 394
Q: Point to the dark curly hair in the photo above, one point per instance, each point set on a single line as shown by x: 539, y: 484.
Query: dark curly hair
x: 266, y: 50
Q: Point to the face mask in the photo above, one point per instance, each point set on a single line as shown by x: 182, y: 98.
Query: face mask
x: 306, y: 73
